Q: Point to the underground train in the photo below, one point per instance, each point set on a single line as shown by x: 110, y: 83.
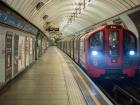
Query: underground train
x: 110, y: 51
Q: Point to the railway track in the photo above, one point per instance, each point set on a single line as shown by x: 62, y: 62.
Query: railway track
x: 126, y: 96
x: 122, y: 92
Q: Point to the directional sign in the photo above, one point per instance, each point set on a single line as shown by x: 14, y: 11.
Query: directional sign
x: 53, y: 29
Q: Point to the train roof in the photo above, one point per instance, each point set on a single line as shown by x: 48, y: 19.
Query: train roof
x: 112, y: 26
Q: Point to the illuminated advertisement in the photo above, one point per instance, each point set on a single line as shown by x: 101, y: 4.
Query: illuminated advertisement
x: 21, y: 53
x: 31, y: 50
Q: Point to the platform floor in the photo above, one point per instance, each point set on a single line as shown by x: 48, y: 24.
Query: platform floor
x: 48, y: 82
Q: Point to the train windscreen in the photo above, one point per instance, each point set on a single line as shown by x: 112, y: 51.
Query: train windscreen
x: 97, y: 41
x: 114, y: 43
x: 96, y: 48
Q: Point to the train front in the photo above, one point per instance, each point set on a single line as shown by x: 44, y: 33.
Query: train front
x: 112, y: 53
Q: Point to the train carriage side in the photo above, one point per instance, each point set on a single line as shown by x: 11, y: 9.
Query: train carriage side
x: 77, y: 48
x: 61, y: 45
x: 72, y: 47
x: 129, y: 53
x: 67, y: 44
x: 65, y: 47
x: 82, y: 52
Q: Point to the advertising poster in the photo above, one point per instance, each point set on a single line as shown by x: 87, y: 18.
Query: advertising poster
x: 2, y: 58
x: 27, y: 50
x: 21, y: 53
x: 40, y: 47
x: 44, y: 45
x: 31, y: 50
x: 8, y: 56
x: 16, y: 39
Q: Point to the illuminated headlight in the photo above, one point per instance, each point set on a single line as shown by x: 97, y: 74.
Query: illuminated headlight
x: 132, y: 52
x: 94, y: 53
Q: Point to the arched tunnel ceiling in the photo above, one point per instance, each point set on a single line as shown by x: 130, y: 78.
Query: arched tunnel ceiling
x: 69, y: 15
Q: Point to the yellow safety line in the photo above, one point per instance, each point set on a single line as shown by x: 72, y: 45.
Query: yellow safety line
x: 87, y: 87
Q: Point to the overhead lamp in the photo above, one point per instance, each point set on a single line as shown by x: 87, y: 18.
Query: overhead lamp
x: 39, y: 5
x: 45, y: 17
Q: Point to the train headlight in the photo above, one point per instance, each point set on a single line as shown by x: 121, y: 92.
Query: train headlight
x: 94, y: 53
x: 131, y: 52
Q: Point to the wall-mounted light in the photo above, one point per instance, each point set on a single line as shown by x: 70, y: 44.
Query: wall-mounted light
x: 39, y: 5
x: 45, y: 17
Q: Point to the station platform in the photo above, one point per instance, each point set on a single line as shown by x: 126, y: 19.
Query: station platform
x: 49, y: 81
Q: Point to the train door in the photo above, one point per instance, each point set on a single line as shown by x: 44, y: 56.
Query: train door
x: 114, y: 46
x: 78, y: 48
x: 69, y: 48
x: 65, y: 46
x: 82, y: 56
x: 72, y: 47
x: 75, y: 49
x: 8, y: 56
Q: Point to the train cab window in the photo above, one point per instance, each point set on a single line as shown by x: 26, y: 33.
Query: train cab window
x: 113, y: 43
x: 129, y: 42
x: 96, y: 41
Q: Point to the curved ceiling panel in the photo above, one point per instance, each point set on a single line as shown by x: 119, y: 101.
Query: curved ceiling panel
x: 69, y: 15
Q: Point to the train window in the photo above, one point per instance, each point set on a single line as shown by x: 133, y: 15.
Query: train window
x: 96, y: 41
x: 129, y: 42
x: 113, y: 43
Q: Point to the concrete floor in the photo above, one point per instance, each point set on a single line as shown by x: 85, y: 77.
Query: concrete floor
x: 48, y: 82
